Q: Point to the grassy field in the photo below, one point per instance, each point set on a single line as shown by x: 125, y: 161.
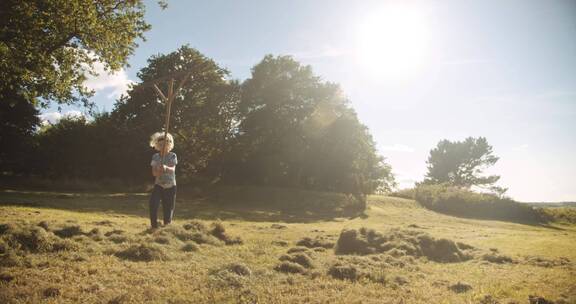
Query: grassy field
x: 97, y: 248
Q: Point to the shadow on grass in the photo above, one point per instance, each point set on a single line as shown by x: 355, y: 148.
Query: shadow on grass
x: 136, y: 204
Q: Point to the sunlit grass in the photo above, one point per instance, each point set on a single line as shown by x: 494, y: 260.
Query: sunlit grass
x: 93, y: 274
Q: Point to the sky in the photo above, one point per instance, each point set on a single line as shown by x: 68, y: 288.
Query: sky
x: 417, y: 72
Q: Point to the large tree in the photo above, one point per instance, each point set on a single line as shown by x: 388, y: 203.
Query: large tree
x: 47, y: 47
x: 203, y: 114
x: 461, y: 163
x: 299, y: 131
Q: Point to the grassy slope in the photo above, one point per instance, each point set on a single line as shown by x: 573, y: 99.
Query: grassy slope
x: 93, y: 275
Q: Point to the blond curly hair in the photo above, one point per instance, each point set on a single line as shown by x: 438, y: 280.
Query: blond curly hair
x: 157, y: 138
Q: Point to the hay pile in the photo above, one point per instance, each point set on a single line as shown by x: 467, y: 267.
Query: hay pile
x: 398, y: 242
x: 318, y: 242
x: 296, y: 260
x: 142, y: 253
x: 196, y: 232
x: 28, y: 238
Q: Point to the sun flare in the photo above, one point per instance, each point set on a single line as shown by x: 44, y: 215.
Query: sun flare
x: 392, y: 42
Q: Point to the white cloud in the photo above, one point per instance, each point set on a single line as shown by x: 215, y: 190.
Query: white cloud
x: 116, y: 82
x: 397, y: 148
x: 54, y: 117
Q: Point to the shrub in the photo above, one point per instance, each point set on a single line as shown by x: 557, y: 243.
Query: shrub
x: 407, y: 193
x: 463, y: 202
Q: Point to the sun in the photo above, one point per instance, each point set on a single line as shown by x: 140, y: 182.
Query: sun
x: 392, y: 42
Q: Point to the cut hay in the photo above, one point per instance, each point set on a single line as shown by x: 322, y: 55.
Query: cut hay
x: 398, y: 243
x: 344, y: 272
x: 316, y: 242
x: 290, y: 267
x: 219, y: 232
x: 460, y: 287
x: 196, y: 226
x: 190, y: 247
x: 239, y: 269
x: 68, y: 232
x: 33, y: 239
x: 142, y: 253
x: 302, y: 259
x: 51, y: 292
x: 493, y: 257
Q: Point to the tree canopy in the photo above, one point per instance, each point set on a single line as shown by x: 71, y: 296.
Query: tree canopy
x: 47, y: 48
x: 461, y: 163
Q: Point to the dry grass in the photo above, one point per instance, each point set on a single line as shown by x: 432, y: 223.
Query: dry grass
x: 50, y: 253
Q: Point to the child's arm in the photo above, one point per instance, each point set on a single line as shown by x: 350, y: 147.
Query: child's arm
x: 156, y: 171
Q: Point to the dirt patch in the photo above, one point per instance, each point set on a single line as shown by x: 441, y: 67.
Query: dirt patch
x: 399, y: 242
x: 142, y: 253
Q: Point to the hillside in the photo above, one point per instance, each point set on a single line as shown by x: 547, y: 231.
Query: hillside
x: 96, y: 248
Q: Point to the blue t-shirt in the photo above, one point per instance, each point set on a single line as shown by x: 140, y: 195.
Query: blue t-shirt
x: 168, y: 178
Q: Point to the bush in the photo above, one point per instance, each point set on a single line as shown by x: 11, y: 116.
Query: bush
x: 463, y: 202
x: 565, y: 215
x: 407, y: 193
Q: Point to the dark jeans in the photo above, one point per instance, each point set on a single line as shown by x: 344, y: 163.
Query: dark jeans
x: 168, y: 198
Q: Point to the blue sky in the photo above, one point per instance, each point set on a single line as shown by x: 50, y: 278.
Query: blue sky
x: 416, y: 72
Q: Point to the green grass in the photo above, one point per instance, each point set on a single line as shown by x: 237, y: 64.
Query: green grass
x: 96, y: 271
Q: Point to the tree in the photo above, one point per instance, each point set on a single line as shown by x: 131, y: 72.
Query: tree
x: 203, y: 114
x: 298, y: 131
x: 48, y: 47
x: 461, y: 163
x: 18, y: 120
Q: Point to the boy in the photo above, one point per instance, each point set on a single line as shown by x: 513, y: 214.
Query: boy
x: 164, y: 170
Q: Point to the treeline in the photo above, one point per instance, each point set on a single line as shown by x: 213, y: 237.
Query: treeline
x: 283, y: 126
